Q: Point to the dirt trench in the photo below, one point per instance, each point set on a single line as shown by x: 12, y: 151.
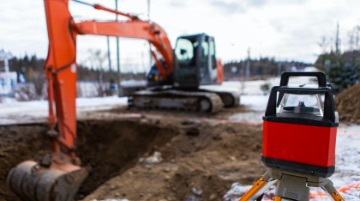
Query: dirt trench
x: 111, y: 147
x: 199, y: 160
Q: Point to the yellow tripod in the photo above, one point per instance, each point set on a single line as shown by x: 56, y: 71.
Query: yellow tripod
x: 290, y: 186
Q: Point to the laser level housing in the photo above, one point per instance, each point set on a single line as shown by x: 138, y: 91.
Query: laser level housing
x: 299, y: 127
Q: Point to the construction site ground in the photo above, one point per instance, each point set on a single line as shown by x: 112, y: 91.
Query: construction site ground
x: 168, y: 155
x: 196, y: 155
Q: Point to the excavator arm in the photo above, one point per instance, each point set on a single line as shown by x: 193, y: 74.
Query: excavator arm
x: 60, y: 68
x: 57, y: 175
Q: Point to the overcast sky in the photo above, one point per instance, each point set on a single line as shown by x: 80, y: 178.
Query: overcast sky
x: 284, y: 29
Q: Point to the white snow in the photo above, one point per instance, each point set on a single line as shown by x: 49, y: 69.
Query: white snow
x: 255, y: 102
x: 14, y: 112
x: 347, y: 162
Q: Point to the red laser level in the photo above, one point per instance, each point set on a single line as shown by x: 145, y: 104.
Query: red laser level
x: 299, y: 137
x: 299, y: 128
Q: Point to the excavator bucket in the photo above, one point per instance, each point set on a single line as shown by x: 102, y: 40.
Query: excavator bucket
x: 32, y: 182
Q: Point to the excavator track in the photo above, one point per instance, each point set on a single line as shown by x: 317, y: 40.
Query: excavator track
x: 228, y: 98
x: 208, y: 102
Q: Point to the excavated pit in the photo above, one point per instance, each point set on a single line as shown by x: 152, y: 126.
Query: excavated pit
x: 202, y: 156
x: 106, y: 147
x: 111, y: 147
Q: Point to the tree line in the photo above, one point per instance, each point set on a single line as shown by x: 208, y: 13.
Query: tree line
x: 32, y: 80
x: 341, y: 66
x: 259, y: 68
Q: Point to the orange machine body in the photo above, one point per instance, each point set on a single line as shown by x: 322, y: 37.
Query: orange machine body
x: 220, y: 71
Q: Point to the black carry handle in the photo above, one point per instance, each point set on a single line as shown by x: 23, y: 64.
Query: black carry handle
x: 329, y: 106
x: 284, y: 80
x: 319, y: 75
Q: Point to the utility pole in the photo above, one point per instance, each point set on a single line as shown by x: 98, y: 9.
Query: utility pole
x: 247, y: 69
x: 148, y: 7
x: 112, y: 84
x: 246, y: 72
x: 118, y: 54
x: 109, y: 58
x: 148, y: 12
x: 337, y: 40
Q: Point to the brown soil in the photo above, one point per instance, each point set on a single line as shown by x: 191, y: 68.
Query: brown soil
x: 18, y: 143
x: 201, y: 159
x: 347, y: 103
x: 111, y: 147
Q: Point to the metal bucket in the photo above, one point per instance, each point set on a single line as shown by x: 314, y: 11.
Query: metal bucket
x: 32, y: 182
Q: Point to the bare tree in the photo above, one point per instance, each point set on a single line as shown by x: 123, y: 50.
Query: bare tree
x: 324, y: 44
x: 97, y: 59
x: 354, y: 38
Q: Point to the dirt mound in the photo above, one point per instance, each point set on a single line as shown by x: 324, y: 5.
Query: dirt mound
x: 347, y: 103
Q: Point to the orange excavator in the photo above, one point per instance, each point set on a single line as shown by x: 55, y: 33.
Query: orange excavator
x: 57, y: 174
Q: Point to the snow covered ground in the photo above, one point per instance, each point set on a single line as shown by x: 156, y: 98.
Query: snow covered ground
x: 347, y: 164
x: 15, y: 112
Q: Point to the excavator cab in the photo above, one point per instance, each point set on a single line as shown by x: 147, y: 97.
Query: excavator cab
x: 195, y: 61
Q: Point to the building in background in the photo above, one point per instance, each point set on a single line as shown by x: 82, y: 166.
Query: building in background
x: 7, y: 78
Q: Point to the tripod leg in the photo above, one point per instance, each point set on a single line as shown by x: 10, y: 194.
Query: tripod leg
x: 277, y: 198
x: 258, y: 189
x: 330, y: 189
